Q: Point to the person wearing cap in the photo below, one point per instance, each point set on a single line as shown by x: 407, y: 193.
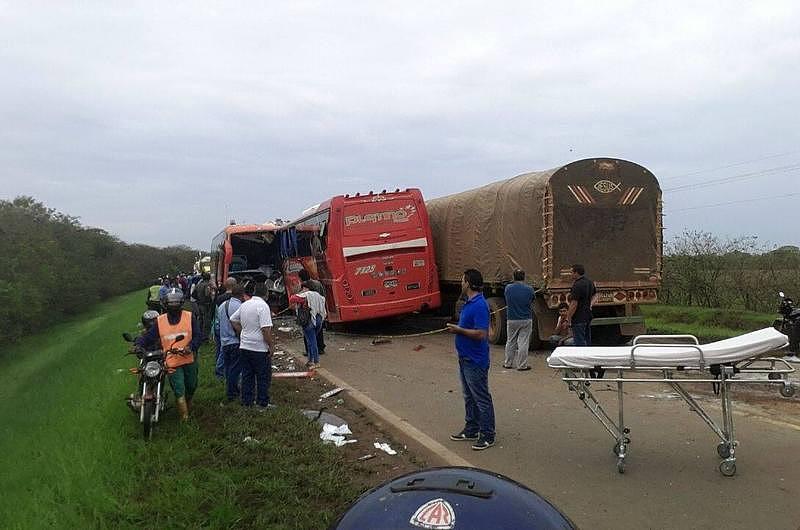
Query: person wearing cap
x: 519, y: 322
x: 472, y: 345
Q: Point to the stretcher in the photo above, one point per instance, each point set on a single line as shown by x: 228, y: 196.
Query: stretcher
x: 677, y: 361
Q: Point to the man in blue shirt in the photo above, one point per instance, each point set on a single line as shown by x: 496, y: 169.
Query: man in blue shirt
x: 519, y: 322
x: 472, y: 345
x: 229, y: 340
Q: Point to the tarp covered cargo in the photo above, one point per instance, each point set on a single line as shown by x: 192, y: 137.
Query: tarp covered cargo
x: 604, y: 213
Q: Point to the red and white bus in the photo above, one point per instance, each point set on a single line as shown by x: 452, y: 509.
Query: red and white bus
x: 373, y: 253
x: 250, y: 253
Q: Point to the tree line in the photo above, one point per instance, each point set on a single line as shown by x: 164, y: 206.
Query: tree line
x: 51, y: 266
x: 702, y: 269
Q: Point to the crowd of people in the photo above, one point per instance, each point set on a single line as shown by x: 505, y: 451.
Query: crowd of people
x: 239, y: 319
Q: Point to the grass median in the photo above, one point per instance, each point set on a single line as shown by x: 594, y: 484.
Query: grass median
x: 73, y: 455
x: 705, y: 323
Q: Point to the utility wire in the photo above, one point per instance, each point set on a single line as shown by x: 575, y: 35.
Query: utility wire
x: 784, y: 196
x: 735, y: 178
x: 728, y: 166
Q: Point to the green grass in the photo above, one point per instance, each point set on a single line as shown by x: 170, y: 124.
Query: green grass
x: 706, y: 324
x: 73, y: 455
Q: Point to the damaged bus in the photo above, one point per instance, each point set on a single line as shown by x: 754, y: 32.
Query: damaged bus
x: 250, y: 253
x: 604, y: 213
x: 373, y: 253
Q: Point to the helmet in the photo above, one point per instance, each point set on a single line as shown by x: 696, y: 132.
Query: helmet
x: 148, y: 317
x: 174, y: 300
x: 442, y: 497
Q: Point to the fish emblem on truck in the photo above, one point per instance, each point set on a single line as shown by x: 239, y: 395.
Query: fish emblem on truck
x: 606, y: 186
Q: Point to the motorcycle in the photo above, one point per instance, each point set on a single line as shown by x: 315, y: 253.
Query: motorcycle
x: 151, y: 399
x: 789, y: 325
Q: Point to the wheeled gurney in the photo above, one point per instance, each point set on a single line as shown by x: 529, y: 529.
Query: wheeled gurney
x: 677, y: 360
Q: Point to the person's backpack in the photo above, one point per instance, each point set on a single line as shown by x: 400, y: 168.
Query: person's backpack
x: 303, y: 315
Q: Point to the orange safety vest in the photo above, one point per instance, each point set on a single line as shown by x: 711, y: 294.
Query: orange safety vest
x: 168, y: 332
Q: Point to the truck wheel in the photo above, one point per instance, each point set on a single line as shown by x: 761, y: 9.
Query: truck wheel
x: 497, y: 320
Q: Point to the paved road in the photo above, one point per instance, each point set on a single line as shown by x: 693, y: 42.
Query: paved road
x: 547, y: 441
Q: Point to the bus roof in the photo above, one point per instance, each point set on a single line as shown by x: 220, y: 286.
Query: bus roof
x: 242, y: 229
x: 311, y: 210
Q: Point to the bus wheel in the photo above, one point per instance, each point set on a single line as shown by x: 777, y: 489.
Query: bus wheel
x: 497, y: 320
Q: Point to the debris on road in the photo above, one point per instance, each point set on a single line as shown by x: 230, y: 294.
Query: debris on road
x: 330, y: 393
x: 370, y: 456
x: 419, y: 347
x: 381, y: 341
x: 251, y: 440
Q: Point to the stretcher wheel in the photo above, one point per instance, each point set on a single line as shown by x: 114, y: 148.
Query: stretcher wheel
x: 787, y: 390
x: 727, y: 468
x: 621, y: 466
x: 724, y: 450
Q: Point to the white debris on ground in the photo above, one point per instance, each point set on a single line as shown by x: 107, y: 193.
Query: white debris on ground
x: 330, y: 393
x: 250, y: 440
x: 386, y: 448
x: 336, y: 435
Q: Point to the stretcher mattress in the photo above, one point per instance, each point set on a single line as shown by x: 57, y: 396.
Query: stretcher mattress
x: 754, y: 344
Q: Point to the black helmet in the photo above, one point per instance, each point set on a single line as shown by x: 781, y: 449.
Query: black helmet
x: 148, y: 317
x: 452, y: 497
x: 174, y: 300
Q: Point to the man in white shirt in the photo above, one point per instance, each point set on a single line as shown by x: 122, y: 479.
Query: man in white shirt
x: 253, y: 323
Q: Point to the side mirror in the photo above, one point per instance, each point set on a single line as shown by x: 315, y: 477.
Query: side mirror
x: 127, y: 336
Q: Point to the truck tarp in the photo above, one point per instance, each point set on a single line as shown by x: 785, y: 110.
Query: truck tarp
x: 604, y: 213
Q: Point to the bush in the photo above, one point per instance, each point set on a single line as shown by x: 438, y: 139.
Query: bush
x: 52, y: 267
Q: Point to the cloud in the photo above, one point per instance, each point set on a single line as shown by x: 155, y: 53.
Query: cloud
x: 160, y: 121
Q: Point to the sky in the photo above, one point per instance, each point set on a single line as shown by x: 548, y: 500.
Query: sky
x: 161, y: 121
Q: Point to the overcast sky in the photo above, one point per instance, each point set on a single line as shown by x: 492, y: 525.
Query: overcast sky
x: 160, y: 121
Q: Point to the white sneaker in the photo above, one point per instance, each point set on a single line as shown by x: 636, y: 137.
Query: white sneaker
x: 792, y: 358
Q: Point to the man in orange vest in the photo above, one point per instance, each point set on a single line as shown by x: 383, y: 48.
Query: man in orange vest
x: 180, y: 360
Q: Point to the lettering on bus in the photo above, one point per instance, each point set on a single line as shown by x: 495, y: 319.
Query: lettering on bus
x: 365, y: 269
x: 401, y: 215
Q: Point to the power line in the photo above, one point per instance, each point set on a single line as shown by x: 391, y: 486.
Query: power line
x: 784, y: 196
x: 735, y: 178
x: 728, y: 166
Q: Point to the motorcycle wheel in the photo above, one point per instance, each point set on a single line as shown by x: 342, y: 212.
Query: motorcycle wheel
x: 147, y: 423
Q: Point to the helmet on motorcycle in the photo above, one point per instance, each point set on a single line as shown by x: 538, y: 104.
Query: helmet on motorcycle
x: 173, y: 302
x: 440, y: 497
x: 148, y: 317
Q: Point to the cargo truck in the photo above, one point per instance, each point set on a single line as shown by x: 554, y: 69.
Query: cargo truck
x: 604, y: 213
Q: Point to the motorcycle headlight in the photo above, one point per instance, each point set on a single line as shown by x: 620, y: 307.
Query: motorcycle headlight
x: 152, y: 369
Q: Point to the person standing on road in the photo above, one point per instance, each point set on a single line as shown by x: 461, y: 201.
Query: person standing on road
x: 317, y: 287
x: 519, y: 322
x: 182, y: 363
x: 229, y: 340
x: 582, y: 297
x: 153, y: 296
x: 472, y: 345
x: 253, y: 323
x: 311, y: 305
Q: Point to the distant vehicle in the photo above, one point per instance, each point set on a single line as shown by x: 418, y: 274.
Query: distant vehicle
x: 604, y: 213
x: 789, y: 323
x: 250, y: 253
x: 203, y: 264
x: 373, y: 253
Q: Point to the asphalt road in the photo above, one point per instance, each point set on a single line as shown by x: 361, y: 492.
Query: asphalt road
x: 546, y: 440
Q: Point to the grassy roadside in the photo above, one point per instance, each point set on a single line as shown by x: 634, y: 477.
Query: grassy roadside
x: 706, y: 324
x: 73, y: 455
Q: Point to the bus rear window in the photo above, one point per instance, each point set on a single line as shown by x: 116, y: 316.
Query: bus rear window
x: 381, y: 216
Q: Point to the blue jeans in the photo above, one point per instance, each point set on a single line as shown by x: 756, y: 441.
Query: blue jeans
x: 582, y: 333
x: 219, y: 369
x: 478, y: 406
x: 233, y: 370
x: 310, y: 335
x: 256, y: 372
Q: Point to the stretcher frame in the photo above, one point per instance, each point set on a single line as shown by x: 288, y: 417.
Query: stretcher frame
x: 771, y: 371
